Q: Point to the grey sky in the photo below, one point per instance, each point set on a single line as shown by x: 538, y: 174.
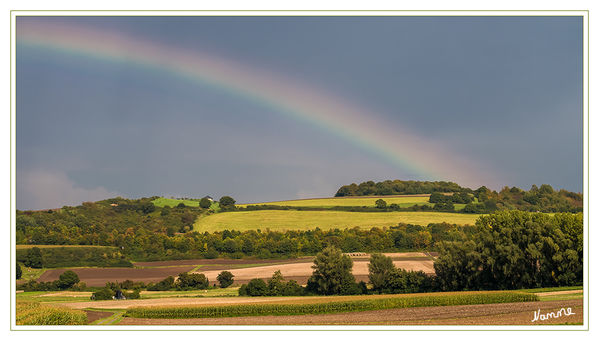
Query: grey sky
x: 504, y: 91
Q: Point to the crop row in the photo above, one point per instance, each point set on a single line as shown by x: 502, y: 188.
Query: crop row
x: 329, y: 307
x: 33, y: 313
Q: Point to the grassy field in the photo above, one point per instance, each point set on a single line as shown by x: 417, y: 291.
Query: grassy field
x: 403, y: 201
x: 161, y: 202
x: 304, y: 220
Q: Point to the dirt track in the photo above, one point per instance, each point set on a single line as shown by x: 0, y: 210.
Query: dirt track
x: 485, y: 314
x: 97, y: 277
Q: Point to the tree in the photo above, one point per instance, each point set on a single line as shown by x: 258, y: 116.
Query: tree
x: 33, y: 259
x: 225, y: 279
x: 379, y: 270
x: 19, y: 271
x: 276, y: 284
x: 257, y: 287
x: 226, y: 202
x: 192, y: 281
x: 205, y: 203
x: 165, y: 284
x: 102, y: 294
x: 332, y: 272
x: 67, y: 279
x: 381, y: 204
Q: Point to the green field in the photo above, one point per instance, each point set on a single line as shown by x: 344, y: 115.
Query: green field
x: 403, y: 201
x: 305, y: 220
x: 161, y: 202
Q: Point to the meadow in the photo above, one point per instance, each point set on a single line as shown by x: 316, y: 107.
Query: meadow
x: 401, y: 200
x: 305, y: 220
x: 162, y: 202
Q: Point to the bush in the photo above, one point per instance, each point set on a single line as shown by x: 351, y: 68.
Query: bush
x: 33, y: 259
x: 102, y: 294
x: 225, y: 279
x: 67, y: 279
x: 19, y: 271
x: 133, y: 295
x: 205, y: 203
x: 192, y: 281
x: 256, y: 287
x: 164, y: 285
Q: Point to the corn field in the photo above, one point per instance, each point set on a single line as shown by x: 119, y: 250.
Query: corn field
x: 329, y: 307
x: 33, y: 313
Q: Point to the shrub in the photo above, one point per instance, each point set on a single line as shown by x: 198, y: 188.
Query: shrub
x: 225, y: 279
x: 205, y: 203
x: 257, y: 287
x: 102, y: 294
x: 164, y: 285
x: 67, y: 279
x: 19, y: 271
x: 133, y: 295
x: 191, y: 281
x: 33, y: 259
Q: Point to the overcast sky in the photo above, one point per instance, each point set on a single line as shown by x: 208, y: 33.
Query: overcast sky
x: 505, y: 92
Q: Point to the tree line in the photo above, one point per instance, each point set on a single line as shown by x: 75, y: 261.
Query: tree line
x: 481, y: 200
x: 138, y: 243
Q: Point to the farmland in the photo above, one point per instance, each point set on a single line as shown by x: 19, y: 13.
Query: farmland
x: 305, y: 220
x: 484, y: 314
x: 97, y: 277
x: 399, y: 301
x: 162, y: 202
x: 401, y: 200
x: 426, y: 308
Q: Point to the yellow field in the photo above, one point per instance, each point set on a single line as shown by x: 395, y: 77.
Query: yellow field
x: 403, y: 201
x: 304, y: 220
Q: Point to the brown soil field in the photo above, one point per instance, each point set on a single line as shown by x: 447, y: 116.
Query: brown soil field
x: 97, y: 277
x: 484, y: 314
x: 302, y: 271
x: 220, y: 261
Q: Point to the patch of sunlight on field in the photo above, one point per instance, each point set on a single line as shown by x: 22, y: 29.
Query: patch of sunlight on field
x: 403, y: 201
x: 161, y: 202
x: 305, y: 220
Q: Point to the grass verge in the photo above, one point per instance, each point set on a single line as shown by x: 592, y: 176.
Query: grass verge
x: 329, y: 307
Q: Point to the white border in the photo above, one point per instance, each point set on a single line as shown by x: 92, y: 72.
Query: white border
x: 585, y: 16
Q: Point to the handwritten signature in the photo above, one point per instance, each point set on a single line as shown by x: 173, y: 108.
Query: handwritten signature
x: 553, y: 314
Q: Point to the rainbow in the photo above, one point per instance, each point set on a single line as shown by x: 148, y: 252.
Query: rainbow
x: 303, y: 102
